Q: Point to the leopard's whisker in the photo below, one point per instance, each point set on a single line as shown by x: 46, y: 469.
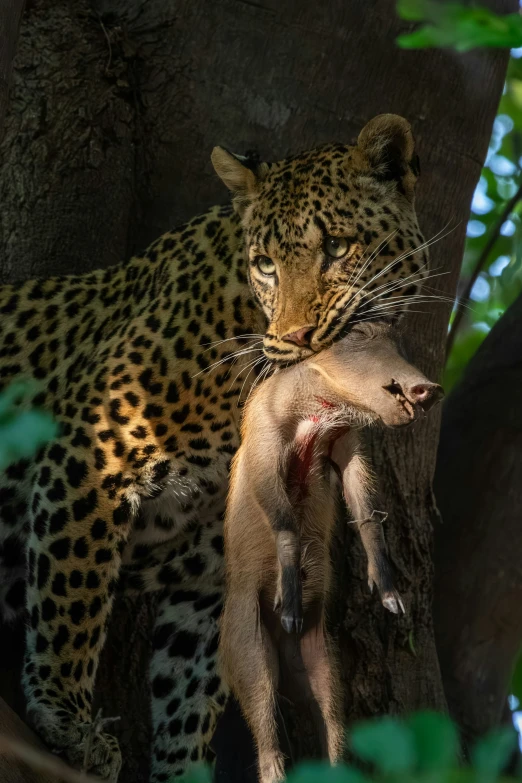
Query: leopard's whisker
x: 412, y: 298
x: 261, y: 375
x: 230, y: 371
x: 253, y: 385
x: 252, y: 367
x: 403, y: 306
x: 392, y: 285
x: 403, y: 312
x: 438, y: 237
x: 227, y: 358
x: 392, y: 263
x: 396, y: 282
x: 229, y: 339
x: 373, y: 255
x: 244, y: 367
x: 435, y: 238
x: 383, y: 271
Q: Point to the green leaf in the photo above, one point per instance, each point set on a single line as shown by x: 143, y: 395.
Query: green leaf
x: 22, y: 429
x: 461, y: 27
x: 386, y: 742
x: 321, y: 772
x: 199, y: 773
x: 410, y: 10
x: 462, y: 775
x: 436, y: 740
x: 491, y: 754
x: 425, y: 38
x: 21, y: 434
x: 15, y: 394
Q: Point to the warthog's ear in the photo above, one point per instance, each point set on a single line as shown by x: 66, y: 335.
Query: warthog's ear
x: 387, y: 144
x: 241, y: 174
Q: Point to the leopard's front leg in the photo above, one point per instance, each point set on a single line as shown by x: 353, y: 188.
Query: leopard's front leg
x: 74, y: 555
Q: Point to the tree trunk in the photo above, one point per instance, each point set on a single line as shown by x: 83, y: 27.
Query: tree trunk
x: 114, y: 110
x: 478, y: 589
x: 12, y: 770
x: 10, y: 18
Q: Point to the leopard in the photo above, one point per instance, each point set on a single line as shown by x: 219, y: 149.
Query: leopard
x: 136, y: 363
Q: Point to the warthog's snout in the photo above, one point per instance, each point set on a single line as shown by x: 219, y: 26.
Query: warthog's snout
x: 417, y: 396
x: 425, y: 394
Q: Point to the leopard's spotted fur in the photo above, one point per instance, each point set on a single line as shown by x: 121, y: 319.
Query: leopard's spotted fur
x: 139, y: 471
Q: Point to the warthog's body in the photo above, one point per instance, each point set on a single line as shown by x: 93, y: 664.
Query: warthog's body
x: 279, y: 522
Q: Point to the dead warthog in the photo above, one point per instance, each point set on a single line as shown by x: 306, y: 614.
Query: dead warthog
x: 296, y: 426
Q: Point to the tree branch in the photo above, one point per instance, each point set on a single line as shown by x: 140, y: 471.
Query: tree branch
x: 21, y: 753
x: 481, y: 261
x: 478, y: 486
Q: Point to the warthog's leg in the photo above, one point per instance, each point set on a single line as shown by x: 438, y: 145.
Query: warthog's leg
x: 356, y: 480
x: 309, y: 677
x: 289, y: 594
x: 251, y: 666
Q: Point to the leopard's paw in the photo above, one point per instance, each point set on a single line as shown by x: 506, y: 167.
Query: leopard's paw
x: 84, y: 745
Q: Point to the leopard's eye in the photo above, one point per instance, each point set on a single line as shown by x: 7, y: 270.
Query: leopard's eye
x: 336, y: 247
x: 265, y: 265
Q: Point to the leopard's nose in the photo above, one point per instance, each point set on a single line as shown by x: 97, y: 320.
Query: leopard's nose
x: 300, y: 336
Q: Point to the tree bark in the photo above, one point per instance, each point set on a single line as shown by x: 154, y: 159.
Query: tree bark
x: 478, y: 484
x: 12, y: 770
x: 115, y: 108
x: 10, y: 18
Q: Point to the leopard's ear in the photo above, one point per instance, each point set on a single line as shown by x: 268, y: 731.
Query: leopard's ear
x: 241, y: 174
x: 387, y: 145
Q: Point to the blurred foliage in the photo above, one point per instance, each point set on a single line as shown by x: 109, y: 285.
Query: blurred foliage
x: 462, y: 27
x: 23, y: 429
x: 500, y: 281
x: 448, y: 24
x: 198, y: 773
x: 421, y: 748
x: 516, y: 681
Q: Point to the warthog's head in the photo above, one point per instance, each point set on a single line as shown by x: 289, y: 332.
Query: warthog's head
x: 366, y: 371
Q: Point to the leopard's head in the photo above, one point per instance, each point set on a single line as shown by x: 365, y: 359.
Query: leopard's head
x: 331, y: 235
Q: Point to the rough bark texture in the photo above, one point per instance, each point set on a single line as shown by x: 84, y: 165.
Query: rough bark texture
x: 11, y: 769
x: 479, y: 491
x: 10, y: 17
x: 115, y: 108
